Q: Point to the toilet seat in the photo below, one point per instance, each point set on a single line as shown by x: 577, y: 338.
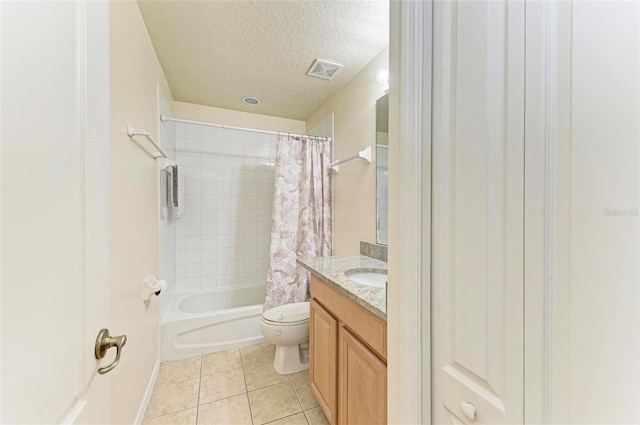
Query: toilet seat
x: 287, y: 314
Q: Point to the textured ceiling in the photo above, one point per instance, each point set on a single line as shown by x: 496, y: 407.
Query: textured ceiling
x: 215, y: 52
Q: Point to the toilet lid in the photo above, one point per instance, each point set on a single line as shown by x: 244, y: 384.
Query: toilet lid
x: 288, y: 313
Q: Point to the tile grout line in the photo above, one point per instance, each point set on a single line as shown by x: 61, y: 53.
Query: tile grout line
x: 288, y: 416
x: 246, y: 387
x: 199, y: 388
x: 296, y: 393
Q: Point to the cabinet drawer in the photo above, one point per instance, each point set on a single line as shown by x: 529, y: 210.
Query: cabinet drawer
x: 370, y: 328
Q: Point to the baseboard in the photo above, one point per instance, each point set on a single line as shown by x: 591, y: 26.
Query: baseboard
x: 147, y: 394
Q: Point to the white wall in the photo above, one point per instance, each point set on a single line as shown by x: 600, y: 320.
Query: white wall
x: 134, y: 202
x: 354, y: 128
x: 195, y: 112
x: 222, y: 239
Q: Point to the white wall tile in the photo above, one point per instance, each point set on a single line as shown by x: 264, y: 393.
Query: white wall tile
x: 209, y: 160
x: 193, y: 159
x: 193, y: 145
x: 237, y: 279
x: 223, y: 238
x: 209, y: 187
x: 209, y: 134
x: 180, y: 143
x: 193, y: 242
x: 180, y: 257
x: 193, y: 284
x: 193, y: 256
x: 209, y: 269
x: 193, y: 201
x: 209, y: 214
x: 181, y: 285
x: 180, y: 129
x: 209, y: 242
x: 209, y: 282
x: 193, y: 131
x: 194, y: 270
x: 181, y: 271
x: 208, y: 255
x: 207, y: 201
x: 208, y: 173
x: 192, y: 173
x: 223, y: 280
x: 193, y: 229
x: 209, y: 228
x: 194, y: 187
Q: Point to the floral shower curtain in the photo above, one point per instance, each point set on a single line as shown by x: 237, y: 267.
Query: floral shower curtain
x: 301, y: 221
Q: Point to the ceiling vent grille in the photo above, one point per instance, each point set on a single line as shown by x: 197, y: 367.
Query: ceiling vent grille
x: 323, y: 69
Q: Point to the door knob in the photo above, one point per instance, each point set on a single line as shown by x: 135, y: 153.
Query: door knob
x: 468, y: 410
x: 103, y: 342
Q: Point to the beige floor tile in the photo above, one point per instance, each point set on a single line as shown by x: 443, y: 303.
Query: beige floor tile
x: 297, y: 419
x: 172, y: 398
x: 257, y: 354
x: 274, y: 402
x: 302, y: 373
x: 262, y: 375
x: 303, y: 390
x: 184, y: 417
x: 179, y: 370
x: 228, y: 411
x: 316, y: 416
x: 219, y: 362
x: 222, y: 385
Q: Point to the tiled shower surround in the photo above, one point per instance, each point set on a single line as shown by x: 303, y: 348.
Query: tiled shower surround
x: 223, y: 236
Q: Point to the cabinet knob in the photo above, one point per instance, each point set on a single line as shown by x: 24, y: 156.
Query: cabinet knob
x: 468, y: 410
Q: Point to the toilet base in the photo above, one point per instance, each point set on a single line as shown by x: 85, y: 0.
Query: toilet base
x: 291, y: 358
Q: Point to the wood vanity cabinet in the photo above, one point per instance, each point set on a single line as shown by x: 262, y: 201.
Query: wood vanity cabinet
x: 347, y: 365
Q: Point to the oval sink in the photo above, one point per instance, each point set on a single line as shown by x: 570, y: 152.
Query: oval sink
x: 369, y: 277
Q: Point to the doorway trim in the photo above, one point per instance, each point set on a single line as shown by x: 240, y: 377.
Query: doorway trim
x: 409, y: 292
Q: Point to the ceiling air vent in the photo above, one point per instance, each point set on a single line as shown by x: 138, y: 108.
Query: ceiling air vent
x: 323, y: 69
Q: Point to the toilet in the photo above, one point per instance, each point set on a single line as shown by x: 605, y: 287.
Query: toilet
x: 287, y: 327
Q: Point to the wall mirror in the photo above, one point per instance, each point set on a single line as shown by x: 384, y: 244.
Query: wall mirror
x: 382, y: 169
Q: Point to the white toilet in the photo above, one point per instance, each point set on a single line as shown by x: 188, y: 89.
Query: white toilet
x: 287, y: 327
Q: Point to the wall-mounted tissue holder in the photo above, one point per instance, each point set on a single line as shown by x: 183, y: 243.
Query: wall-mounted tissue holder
x: 152, y: 286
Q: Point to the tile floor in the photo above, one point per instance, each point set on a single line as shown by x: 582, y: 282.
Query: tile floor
x: 232, y: 387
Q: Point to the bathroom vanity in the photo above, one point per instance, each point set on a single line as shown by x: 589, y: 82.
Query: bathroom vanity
x: 348, y: 333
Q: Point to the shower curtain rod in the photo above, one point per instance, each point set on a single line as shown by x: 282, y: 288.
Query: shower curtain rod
x: 165, y: 118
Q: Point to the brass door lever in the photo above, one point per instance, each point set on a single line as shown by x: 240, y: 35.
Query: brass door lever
x: 103, y: 342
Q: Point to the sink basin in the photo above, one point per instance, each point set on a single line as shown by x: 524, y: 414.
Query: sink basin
x: 369, y: 277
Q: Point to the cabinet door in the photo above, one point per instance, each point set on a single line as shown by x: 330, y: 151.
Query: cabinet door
x: 362, y: 383
x: 323, y: 358
x: 477, y: 222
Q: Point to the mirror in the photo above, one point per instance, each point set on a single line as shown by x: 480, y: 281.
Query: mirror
x: 382, y: 169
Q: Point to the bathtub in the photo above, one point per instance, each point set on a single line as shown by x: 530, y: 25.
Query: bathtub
x: 213, y: 320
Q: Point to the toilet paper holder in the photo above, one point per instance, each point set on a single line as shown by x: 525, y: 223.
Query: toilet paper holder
x: 152, y: 286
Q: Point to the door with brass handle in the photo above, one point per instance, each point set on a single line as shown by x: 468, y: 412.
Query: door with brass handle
x: 103, y: 342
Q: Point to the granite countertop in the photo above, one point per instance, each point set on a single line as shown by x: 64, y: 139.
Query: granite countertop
x: 331, y: 271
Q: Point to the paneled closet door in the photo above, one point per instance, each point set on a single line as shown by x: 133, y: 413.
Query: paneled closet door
x: 477, y: 227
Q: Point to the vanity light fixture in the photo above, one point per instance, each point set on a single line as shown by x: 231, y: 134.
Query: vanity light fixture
x: 382, y: 76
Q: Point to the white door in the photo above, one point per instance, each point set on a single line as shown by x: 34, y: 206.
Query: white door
x: 477, y: 222
x: 54, y: 182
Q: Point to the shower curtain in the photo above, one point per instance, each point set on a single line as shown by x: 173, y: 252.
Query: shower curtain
x: 301, y: 221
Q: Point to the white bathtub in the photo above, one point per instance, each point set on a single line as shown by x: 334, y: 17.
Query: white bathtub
x: 214, y: 320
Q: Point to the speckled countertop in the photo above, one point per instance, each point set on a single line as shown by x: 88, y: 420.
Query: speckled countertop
x: 332, y: 271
